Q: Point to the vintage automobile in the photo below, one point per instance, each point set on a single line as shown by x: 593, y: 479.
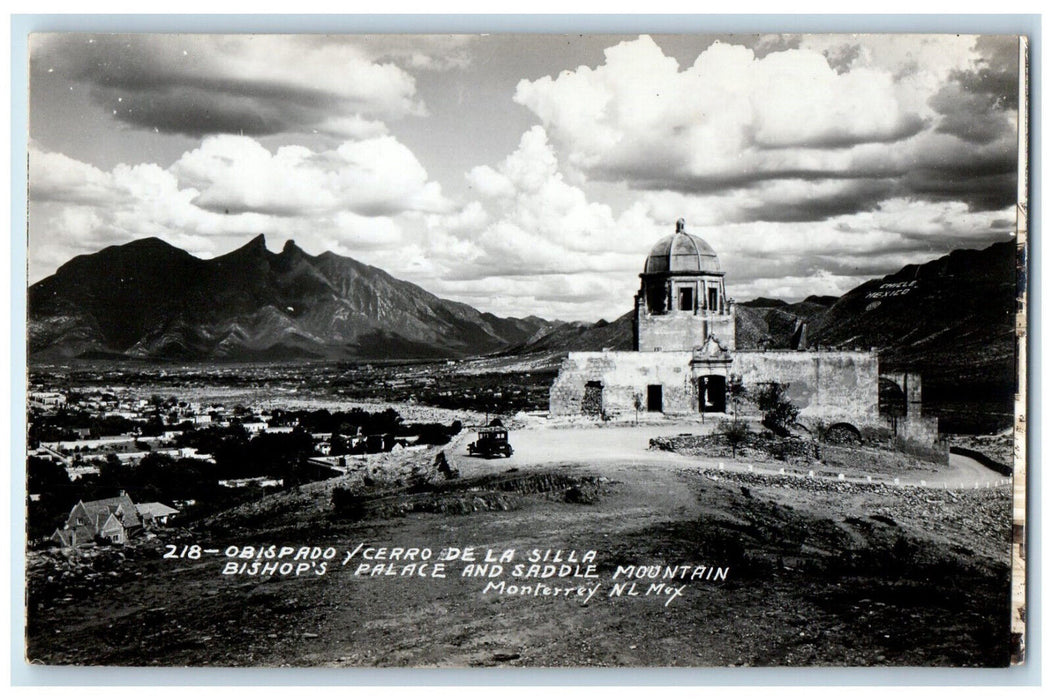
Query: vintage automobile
x: 492, y: 442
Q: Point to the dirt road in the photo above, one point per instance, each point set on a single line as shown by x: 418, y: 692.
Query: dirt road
x: 541, y: 445
x: 598, y: 446
x: 965, y: 472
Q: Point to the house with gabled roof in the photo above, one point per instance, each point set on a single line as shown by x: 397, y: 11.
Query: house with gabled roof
x: 112, y: 519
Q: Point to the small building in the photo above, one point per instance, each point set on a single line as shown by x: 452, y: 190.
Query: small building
x: 80, y: 470
x: 260, y: 481
x: 112, y: 519
x: 380, y: 442
x: 153, y: 514
x: 46, y: 399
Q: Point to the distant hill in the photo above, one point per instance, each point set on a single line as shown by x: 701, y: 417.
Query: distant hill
x: 764, y: 303
x: 148, y: 299
x: 773, y: 323
x: 579, y: 336
x: 952, y: 319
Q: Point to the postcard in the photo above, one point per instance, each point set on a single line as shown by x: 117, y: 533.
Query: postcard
x: 527, y: 351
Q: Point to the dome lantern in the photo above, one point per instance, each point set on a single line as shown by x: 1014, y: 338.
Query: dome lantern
x: 682, y: 252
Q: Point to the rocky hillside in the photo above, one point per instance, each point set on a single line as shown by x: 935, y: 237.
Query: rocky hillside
x: 148, y: 299
x: 775, y: 324
x: 579, y: 336
x: 952, y: 319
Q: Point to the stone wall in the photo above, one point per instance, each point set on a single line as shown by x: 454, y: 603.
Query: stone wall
x: 914, y: 426
x: 830, y: 385
x: 922, y: 430
x: 624, y: 376
x: 682, y: 330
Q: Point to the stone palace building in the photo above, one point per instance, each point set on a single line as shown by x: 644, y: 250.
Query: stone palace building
x: 685, y: 356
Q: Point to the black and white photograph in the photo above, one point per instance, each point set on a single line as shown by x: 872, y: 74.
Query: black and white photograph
x: 526, y: 350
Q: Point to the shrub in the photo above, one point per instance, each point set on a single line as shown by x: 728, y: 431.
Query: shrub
x: 779, y: 413
x: 735, y: 431
x: 581, y: 493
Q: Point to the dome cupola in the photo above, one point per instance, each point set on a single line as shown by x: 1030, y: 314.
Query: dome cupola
x: 682, y: 299
x: 682, y: 252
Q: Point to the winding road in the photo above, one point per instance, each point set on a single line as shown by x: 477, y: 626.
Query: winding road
x: 597, y: 446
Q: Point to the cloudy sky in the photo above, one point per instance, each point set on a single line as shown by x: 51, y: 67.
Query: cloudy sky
x: 529, y: 174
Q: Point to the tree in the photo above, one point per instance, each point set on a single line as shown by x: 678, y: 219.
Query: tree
x: 736, y: 392
x: 45, y: 476
x: 736, y: 431
x: 338, y: 445
x: 779, y: 413
x: 153, y: 427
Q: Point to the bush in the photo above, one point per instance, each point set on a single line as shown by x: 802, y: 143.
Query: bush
x: 735, y: 431
x: 586, y: 494
x: 779, y: 413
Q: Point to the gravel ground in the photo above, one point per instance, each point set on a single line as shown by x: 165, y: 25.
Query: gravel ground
x: 819, y: 572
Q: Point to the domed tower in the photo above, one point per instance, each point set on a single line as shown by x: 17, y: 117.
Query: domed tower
x: 682, y: 301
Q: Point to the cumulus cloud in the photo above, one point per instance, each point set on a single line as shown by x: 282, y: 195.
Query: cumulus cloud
x: 247, y: 84
x: 810, y: 164
x: 57, y: 177
x: 537, y: 223
x: 639, y: 112
x: 863, y: 111
x: 373, y: 177
x: 534, y: 241
x: 229, y: 188
x: 530, y: 243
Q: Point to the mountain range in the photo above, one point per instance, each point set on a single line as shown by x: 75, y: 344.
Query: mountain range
x: 951, y: 318
x: 148, y: 299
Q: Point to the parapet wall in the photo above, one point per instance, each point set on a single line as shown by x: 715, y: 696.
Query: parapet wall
x: 827, y: 385
x: 624, y: 376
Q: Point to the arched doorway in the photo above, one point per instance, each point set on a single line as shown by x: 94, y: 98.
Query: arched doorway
x: 712, y: 393
x: 891, y: 401
x: 842, y: 433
